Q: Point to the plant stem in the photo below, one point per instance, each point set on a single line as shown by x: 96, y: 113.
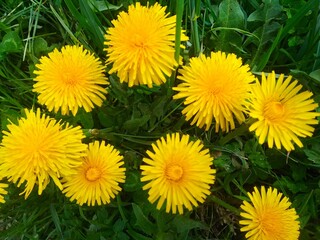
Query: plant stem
x: 224, y: 204
x: 195, y: 13
x: 237, y: 132
x: 100, y: 133
x: 119, y: 202
x: 179, y: 13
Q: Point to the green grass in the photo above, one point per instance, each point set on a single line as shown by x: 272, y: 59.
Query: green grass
x: 274, y: 35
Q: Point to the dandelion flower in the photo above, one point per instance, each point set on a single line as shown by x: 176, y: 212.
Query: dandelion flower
x: 97, y: 179
x: 70, y: 79
x: 282, y: 113
x: 141, y: 45
x: 3, y: 191
x: 37, y: 148
x: 214, y: 87
x: 269, y: 217
x: 178, y: 171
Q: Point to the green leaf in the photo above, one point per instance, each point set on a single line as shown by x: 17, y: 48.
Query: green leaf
x: 305, y: 205
x: 87, y: 19
x: 315, y: 75
x: 11, y: 42
x: 40, y: 46
x: 92, y: 20
x: 262, y: 56
x: 110, y: 117
x: 94, y: 235
x: 119, y: 226
x: 185, y: 224
x: 119, y: 91
x: 266, y: 16
x: 85, y: 119
x: 158, y: 106
x: 303, y: 77
x: 133, y: 182
x: 121, y: 236
x: 104, y: 5
x: 298, y: 172
x: 142, y: 221
x: 134, y: 124
x: 230, y: 17
x: 230, y: 14
x: 224, y: 162
x: 7, y: 116
x: 255, y: 154
x: 64, y: 24
x: 56, y: 220
x: 313, y: 155
x: 267, y: 33
x: 4, y: 27
x: 137, y: 236
x: 270, y: 10
x: 292, y: 185
x: 259, y: 159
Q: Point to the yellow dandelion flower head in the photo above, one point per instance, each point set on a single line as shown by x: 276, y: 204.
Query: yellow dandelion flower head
x: 3, y: 191
x: 282, y: 113
x: 269, y: 216
x: 215, y: 87
x: 38, y: 148
x: 178, y: 171
x: 97, y: 179
x: 141, y: 45
x: 70, y: 79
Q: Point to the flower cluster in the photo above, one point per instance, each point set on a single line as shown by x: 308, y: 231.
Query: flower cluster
x: 216, y: 90
x: 46, y: 149
x: 221, y: 88
x: 73, y: 78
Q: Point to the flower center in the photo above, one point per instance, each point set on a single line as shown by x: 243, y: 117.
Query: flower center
x: 69, y: 78
x: 274, y: 111
x: 214, y: 90
x: 141, y: 42
x: 93, y: 174
x: 37, y: 147
x: 174, y: 172
x: 271, y: 224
